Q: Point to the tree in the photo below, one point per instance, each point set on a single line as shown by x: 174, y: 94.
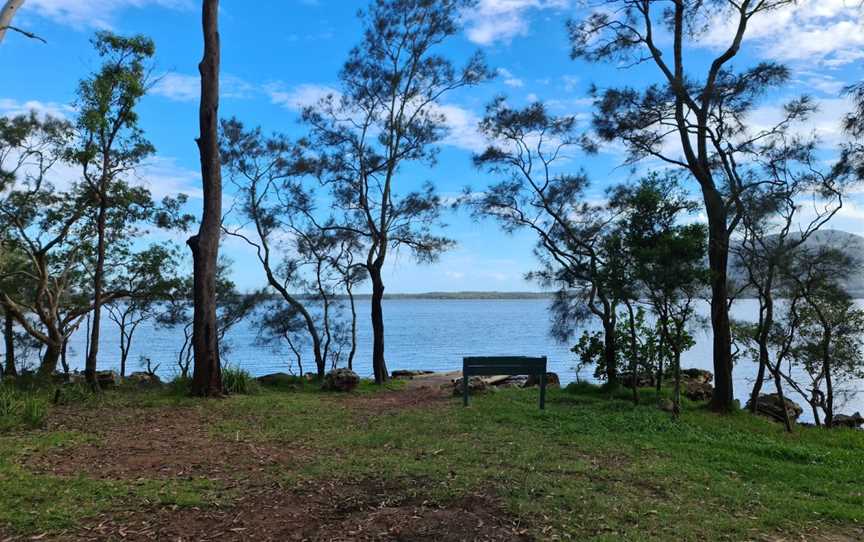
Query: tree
x: 7, y: 13
x: 666, y: 258
x: 773, y: 230
x: 110, y: 145
x: 696, y: 123
x: 207, y: 375
x: 823, y: 330
x: 301, y: 258
x: 387, y: 115
x: 576, y: 255
x: 232, y: 307
x: 152, y: 274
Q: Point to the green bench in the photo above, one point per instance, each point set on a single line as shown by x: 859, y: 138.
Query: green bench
x: 504, y: 365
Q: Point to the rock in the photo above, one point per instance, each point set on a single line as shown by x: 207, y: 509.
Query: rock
x: 854, y: 421
x: 552, y: 381
x: 696, y: 390
x: 276, y: 379
x: 519, y: 381
x: 408, y: 374
x: 697, y: 375
x: 144, y: 380
x: 769, y: 405
x: 107, y: 379
x: 475, y: 384
x: 666, y: 405
x: 310, y: 377
x: 340, y: 380
x: 643, y: 380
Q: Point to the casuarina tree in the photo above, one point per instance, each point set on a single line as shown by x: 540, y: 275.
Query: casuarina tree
x: 694, y: 121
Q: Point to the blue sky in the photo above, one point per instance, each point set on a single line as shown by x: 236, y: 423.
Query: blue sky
x: 281, y: 55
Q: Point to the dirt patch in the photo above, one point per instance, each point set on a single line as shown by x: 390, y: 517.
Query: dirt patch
x: 323, y: 512
x: 154, y: 443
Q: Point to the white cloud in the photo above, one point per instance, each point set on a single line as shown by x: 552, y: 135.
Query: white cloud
x: 462, y: 128
x: 502, y: 20
x: 299, y: 96
x: 825, y: 124
x: 163, y: 176
x: 11, y: 108
x: 181, y: 87
x: 830, y: 32
x: 94, y: 13
x: 509, y: 79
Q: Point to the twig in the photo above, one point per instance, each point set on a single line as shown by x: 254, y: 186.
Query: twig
x: 30, y: 35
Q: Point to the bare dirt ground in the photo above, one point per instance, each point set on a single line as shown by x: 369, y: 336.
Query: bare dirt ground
x: 179, y: 445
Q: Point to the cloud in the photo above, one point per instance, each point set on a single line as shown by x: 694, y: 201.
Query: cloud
x: 94, y: 13
x: 299, y: 96
x: 164, y: 176
x: 181, y: 87
x: 491, y: 21
x: 11, y: 108
x: 830, y: 32
x: 462, y: 128
x: 509, y: 79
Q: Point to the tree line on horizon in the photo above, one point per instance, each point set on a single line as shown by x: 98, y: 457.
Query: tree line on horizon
x: 325, y: 211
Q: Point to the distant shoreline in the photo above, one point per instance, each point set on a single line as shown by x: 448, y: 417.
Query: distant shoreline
x: 464, y: 295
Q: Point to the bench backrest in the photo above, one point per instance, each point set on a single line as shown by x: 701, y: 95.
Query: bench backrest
x: 504, y: 365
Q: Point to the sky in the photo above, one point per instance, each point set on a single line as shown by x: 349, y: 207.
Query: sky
x: 280, y: 56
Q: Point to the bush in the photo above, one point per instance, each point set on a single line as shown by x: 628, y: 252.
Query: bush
x: 21, y: 408
x: 180, y: 385
x: 238, y: 380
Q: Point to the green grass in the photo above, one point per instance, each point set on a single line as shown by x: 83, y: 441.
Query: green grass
x: 588, y: 468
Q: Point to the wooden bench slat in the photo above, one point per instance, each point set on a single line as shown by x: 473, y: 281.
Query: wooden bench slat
x: 504, y: 365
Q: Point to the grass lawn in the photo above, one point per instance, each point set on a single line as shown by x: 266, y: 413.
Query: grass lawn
x: 587, y: 468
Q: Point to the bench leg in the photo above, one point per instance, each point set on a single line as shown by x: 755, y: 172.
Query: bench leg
x: 543, y: 392
x: 464, y: 389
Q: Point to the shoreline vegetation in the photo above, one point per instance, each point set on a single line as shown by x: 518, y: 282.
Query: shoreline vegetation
x: 288, y: 460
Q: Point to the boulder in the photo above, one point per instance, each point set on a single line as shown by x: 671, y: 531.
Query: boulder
x: 144, y: 380
x: 107, y: 379
x: 552, y: 381
x: 408, y: 375
x: 696, y: 390
x: 643, y: 380
x: 697, y: 375
x: 666, y: 405
x: 475, y: 384
x: 276, y: 379
x: 769, y: 405
x: 854, y: 421
x: 340, y: 380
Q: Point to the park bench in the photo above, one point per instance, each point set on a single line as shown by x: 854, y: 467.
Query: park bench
x: 504, y: 365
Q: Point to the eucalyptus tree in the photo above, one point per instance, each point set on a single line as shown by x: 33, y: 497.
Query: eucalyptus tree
x: 207, y: 377
x: 109, y: 146
x: 303, y: 257
x: 387, y: 115
x: 697, y: 122
x: 577, y: 250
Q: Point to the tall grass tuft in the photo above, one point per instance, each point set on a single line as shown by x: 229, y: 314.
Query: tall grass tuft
x: 21, y: 409
x: 238, y: 380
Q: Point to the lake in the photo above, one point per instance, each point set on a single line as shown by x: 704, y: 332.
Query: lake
x: 431, y: 334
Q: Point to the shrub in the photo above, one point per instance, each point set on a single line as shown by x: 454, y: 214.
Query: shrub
x: 21, y: 408
x: 239, y: 380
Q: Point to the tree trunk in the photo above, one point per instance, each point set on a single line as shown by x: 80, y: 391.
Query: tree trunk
x: 379, y: 366
x: 9, y: 340
x: 778, y: 384
x: 353, y: 351
x: 207, y: 371
x: 676, y: 395
x: 661, y: 345
x: 6, y: 15
x: 765, y: 323
x: 610, y: 351
x: 634, y: 351
x: 63, y: 361
x: 50, y: 359
x: 718, y: 257
x: 98, y: 279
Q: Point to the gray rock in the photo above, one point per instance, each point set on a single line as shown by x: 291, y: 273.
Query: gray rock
x: 552, y: 381
x: 144, y: 380
x: 476, y: 384
x: 408, y: 374
x: 854, y: 421
x: 770, y: 406
x: 340, y: 380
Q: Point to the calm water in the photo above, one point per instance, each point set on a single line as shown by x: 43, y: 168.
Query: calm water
x: 421, y: 334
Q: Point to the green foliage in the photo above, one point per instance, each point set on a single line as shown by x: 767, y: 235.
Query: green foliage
x: 21, y: 409
x: 238, y: 380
